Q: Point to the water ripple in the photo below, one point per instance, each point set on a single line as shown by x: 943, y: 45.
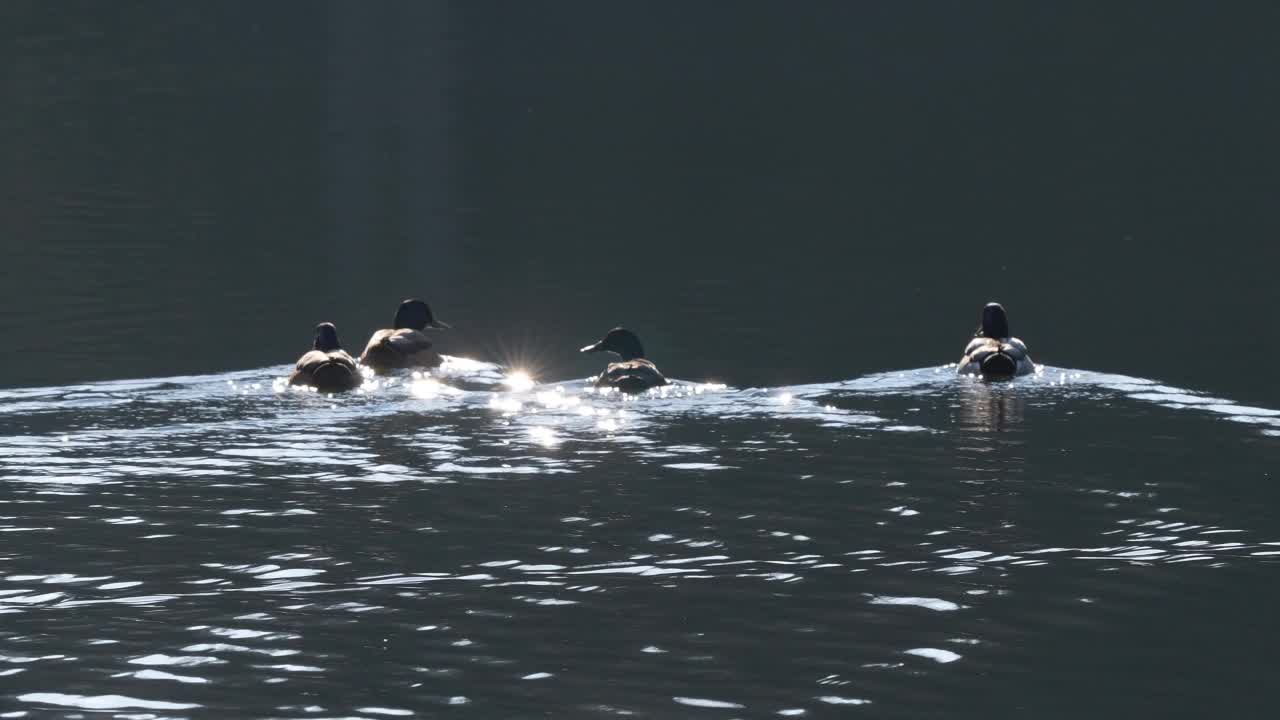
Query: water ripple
x: 467, y: 543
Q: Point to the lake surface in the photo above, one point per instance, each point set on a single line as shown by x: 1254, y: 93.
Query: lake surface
x: 800, y: 211
x: 912, y: 542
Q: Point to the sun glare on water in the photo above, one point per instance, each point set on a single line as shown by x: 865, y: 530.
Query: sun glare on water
x: 519, y: 381
x: 544, y: 436
x: 426, y: 387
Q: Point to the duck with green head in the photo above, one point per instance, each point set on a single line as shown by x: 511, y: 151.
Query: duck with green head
x: 326, y: 367
x: 992, y: 353
x: 633, y: 373
x: 404, y: 345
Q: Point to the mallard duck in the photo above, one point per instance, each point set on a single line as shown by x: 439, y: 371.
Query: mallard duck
x: 992, y: 353
x: 633, y: 373
x: 404, y: 345
x: 326, y: 367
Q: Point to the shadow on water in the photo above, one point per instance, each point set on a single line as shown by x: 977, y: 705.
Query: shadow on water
x: 909, y: 541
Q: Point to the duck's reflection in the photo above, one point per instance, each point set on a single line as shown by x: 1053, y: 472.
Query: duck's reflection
x: 989, y: 443
x: 987, y: 407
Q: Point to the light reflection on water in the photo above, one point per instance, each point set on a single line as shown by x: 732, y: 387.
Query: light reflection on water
x: 490, y: 544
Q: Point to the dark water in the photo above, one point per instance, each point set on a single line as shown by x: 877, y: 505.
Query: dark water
x: 912, y: 542
x: 792, y: 203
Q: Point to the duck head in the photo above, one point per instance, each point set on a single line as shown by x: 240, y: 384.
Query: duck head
x: 995, y: 322
x: 327, y: 337
x: 620, y: 341
x: 414, y: 314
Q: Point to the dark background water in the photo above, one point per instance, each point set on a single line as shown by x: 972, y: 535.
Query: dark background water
x: 770, y: 194
x: 766, y: 193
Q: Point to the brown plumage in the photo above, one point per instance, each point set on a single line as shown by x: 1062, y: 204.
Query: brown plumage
x: 396, y: 349
x: 631, y: 376
x: 993, y: 353
x: 633, y: 373
x: 326, y: 367
x: 405, y: 345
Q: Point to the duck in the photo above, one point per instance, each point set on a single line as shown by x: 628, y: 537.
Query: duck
x: 633, y: 373
x: 404, y: 345
x: 992, y: 353
x: 326, y: 367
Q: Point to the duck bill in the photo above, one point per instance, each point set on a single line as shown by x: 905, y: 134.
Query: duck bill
x: 594, y: 347
x: 439, y: 325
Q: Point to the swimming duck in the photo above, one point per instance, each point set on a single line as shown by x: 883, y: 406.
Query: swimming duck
x: 992, y: 353
x: 326, y: 367
x: 633, y: 373
x: 405, y: 345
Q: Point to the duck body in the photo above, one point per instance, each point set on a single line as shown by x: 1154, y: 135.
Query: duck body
x: 631, y: 376
x: 397, y: 349
x: 326, y: 367
x: 405, y: 345
x: 633, y: 373
x: 996, y: 357
x: 993, y: 353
